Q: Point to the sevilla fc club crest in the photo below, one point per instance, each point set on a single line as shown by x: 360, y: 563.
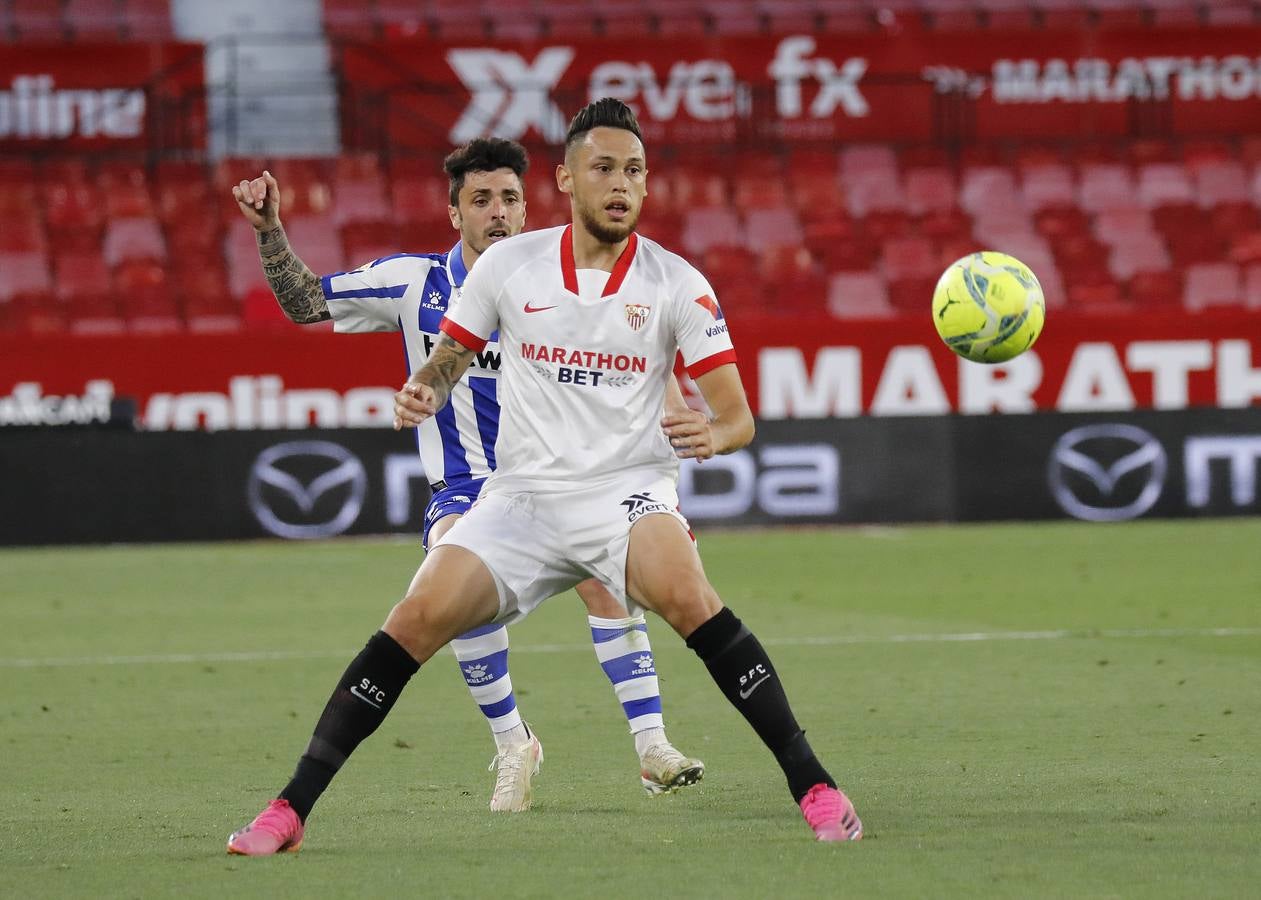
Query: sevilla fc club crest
x: 636, y: 315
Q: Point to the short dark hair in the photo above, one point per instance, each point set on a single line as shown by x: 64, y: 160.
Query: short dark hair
x: 607, y: 112
x: 483, y: 155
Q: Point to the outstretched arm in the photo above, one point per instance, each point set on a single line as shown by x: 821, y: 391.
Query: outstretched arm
x: 695, y: 435
x: 296, y: 287
x: 427, y: 390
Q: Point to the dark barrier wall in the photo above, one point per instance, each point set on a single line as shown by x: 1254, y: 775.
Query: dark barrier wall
x: 91, y: 485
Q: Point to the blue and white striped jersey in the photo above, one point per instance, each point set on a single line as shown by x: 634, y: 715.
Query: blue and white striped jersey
x: 409, y: 293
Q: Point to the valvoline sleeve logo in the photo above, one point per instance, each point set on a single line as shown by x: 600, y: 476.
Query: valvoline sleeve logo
x: 712, y: 305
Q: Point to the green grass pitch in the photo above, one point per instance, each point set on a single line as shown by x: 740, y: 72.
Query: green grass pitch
x: 1017, y: 711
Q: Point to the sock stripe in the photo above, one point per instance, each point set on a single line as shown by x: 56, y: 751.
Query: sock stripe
x: 629, y: 666
x: 603, y: 635
x: 642, y: 707
x: 484, y: 669
x: 502, y: 708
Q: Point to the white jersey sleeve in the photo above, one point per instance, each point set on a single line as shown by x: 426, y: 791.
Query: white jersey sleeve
x: 370, y: 298
x: 699, y: 327
x: 473, y: 317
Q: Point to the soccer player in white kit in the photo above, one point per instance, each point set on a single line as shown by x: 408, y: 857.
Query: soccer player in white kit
x: 409, y: 293
x: 589, y: 319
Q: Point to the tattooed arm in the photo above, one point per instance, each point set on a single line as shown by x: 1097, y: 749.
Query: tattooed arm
x: 427, y: 390
x: 296, y: 287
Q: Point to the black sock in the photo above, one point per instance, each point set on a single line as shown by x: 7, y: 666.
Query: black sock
x: 361, y: 701
x: 743, y: 671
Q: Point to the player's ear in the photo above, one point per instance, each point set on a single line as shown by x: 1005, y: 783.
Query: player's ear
x: 453, y: 212
x: 564, y: 180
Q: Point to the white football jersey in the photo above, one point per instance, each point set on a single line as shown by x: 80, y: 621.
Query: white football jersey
x: 409, y: 292
x: 585, y: 354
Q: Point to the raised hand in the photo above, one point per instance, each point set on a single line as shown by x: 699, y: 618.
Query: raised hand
x: 259, y: 201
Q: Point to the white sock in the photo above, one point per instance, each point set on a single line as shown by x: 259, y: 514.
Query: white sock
x: 649, y: 737
x: 513, y: 737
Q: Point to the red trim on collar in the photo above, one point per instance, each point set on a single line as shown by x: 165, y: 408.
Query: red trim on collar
x: 569, y: 267
x: 621, y: 267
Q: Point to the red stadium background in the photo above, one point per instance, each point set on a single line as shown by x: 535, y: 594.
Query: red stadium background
x: 821, y: 162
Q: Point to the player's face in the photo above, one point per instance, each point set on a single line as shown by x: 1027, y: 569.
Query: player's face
x: 492, y: 207
x: 606, y: 177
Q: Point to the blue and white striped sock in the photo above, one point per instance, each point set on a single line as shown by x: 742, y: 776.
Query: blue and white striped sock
x: 483, y: 657
x: 623, y: 650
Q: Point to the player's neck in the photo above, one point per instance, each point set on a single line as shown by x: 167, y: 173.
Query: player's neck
x: 468, y: 255
x: 592, y: 253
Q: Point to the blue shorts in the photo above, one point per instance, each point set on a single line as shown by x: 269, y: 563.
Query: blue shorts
x: 450, y: 500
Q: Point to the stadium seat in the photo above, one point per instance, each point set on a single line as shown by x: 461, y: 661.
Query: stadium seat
x: 147, y: 20
x: 1155, y: 290
x: 930, y: 190
x: 23, y: 234
x: 1105, y: 186
x: 23, y: 272
x: 148, y: 302
x: 874, y: 190
x: 1048, y: 186
x: 133, y: 238
x: 349, y: 20
x: 316, y: 240
x: 207, y: 304
x: 1124, y: 223
x: 772, y: 227
x: 1220, y: 182
x: 1138, y: 253
x: 1164, y: 184
x: 38, y: 21
x: 858, y: 295
x: 1212, y: 284
x: 93, y: 20
x: 989, y: 188
x: 33, y: 312
x: 1252, y: 286
x: 711, y: 226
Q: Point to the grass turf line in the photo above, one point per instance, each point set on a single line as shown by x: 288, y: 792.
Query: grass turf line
x: 1096, y: 766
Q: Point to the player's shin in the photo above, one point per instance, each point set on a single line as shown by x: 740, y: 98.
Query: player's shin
x: 739, y: 665
x: 483, y: 658
x: 361, y: 701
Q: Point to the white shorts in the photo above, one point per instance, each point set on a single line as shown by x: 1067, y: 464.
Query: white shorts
x: 540, y: 545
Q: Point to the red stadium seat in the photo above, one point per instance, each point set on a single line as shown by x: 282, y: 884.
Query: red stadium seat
x: 1220, y: 182
x: 148, y: 302
x: 1106, y: 186
x: 711, y: 226
x: 349, y: 19
x: 858, y: 295
x: 772, y: 227
x: 1164, y: 184
x: 1156, y: 290
x: 1212, y: 284
x: 33, y: 313
x: 1252, y: 287
x: 133, y: 238
x: 23, y: 234
x: 147, y: 20
x: 930, y: 190
x: 93, y: 20
x: 1048, y: 186
x: 23, y: 272
x: 38, y: 21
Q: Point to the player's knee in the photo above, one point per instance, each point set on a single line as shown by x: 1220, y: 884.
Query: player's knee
x: 421, y: 624
x: 687, y: 603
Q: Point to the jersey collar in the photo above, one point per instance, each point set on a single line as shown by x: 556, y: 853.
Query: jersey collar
x: 456, y: 271
x: 569, y: 269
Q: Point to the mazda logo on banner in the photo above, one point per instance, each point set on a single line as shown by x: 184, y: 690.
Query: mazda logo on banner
x: 307, y: 489
x: 1107, y: 473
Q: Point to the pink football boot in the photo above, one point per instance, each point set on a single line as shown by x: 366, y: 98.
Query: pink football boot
x: 277, y: 829
x: 831, y: 815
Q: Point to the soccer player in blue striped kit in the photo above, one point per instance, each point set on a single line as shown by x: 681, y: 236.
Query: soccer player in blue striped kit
x: 410, y: 293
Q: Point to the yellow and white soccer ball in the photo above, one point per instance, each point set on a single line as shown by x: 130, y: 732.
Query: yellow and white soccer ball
x: 988, y: 307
